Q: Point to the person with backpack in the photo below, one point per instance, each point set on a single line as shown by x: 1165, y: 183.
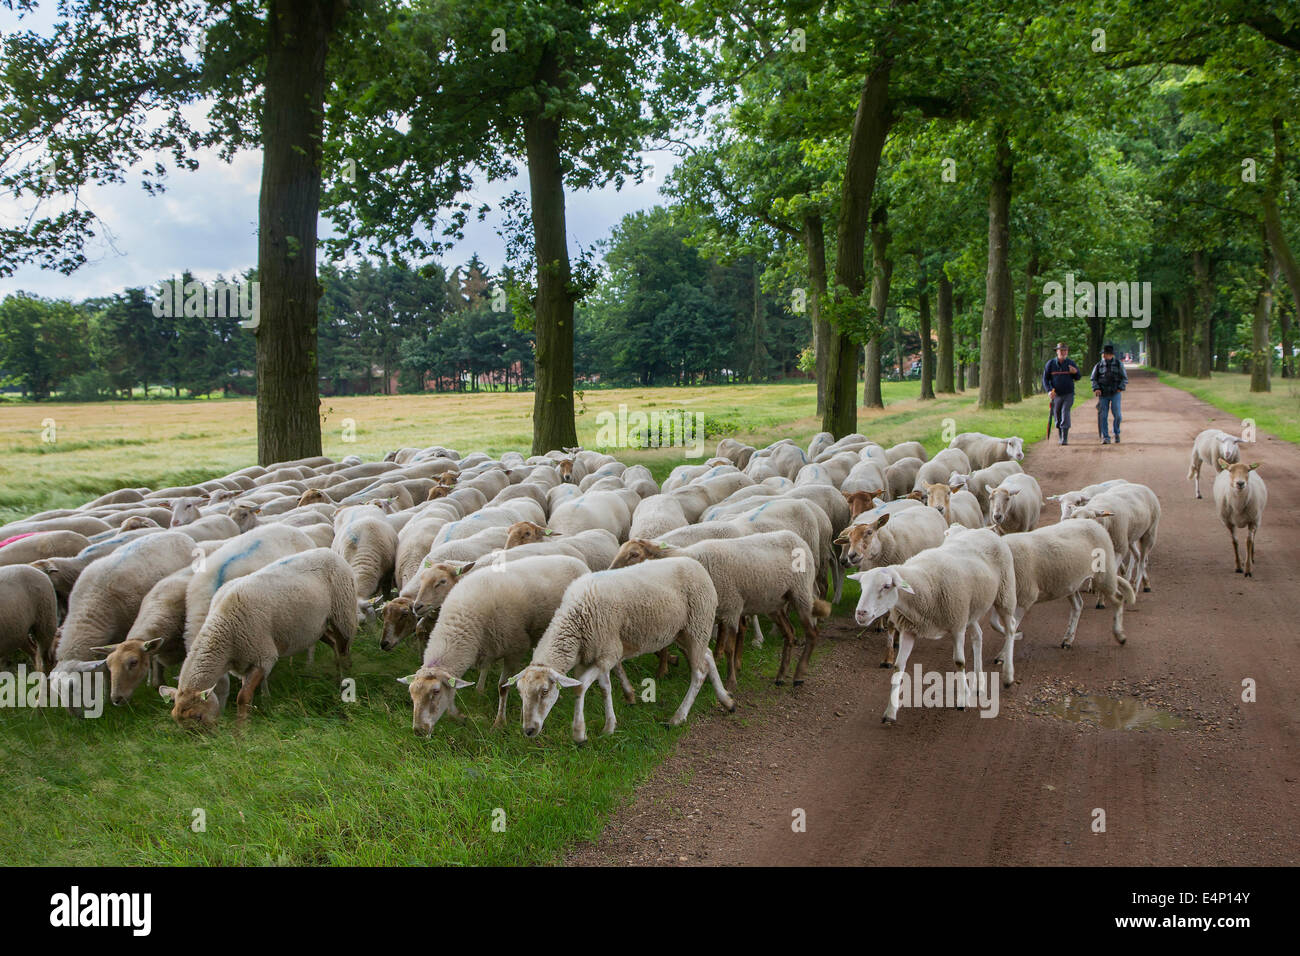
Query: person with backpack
x: 1108, y: 382
x: 1059, y: 376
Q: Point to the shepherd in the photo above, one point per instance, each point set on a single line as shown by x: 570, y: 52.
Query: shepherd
x: 1059, y: 376
x: 1108, y: 382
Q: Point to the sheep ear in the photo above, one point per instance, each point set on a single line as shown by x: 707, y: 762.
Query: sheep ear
x: 106, y: 649
x: 1013, y: 491
x: 841, y: 540
x: 167, y: 693
x: 903, y: 585
x: 465, y: 568
x: 855, y: 575
x: 406, y: 680
x: 564, y: 680
x: 884, y: 520
x: 1223, y: 463
x: 917, y: 495
x: 205, y: 694
x: 1253, y: 466
x: 512, y: 681
x: 549, y: 531
x: 458, y: 684
x: 151, y: 645
x: 1053, y: 498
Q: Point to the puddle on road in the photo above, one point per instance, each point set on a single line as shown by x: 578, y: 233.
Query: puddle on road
x: 1109, y: 713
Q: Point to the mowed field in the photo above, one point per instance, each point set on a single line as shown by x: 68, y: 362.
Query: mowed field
x: 312, y: 779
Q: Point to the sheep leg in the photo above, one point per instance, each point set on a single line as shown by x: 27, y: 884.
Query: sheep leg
x: 1236, y: 551
x: 959, y: 662
x: 244, y: 701
x: 1117, y: 622
x: 1250, y: 549
x: 629, y: 693
x: 1076, y: 608
x: 905, y: 641
x: 579, y: 719
x: 891, y: 646
x: 702, y: 664
x: 1196, y: 475
x: 758, y: 631
x: 782, y: 622
x: 503, y: 695
x: 809, y: 643
x: 155, y: 671
x: 737, y: 652
x: 728, y: 640
x: 662, y: 669
x: 837, y: 572
x: 610, y: 721
x: 482, y: 678
x: 977, y: 651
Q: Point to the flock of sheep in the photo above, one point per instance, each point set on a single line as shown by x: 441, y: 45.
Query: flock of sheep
x: 557, y: 568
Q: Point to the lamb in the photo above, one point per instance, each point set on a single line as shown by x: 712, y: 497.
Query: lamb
x: 1210, y: 446
x: 35, y: 545
x: 486, y: 621
x: 369, y: 545
x: 983, y: 450
x: 1131, y: 513
x: 607, y: 617
x: 277, y: 611
x: 906, y: 449
x: 238, y: 557
x: 30, y: 614
x: 941, y: 466
x: 982, y: 481
x: 1016, y: 504
x: 1062, y: 561
x: 768, y: 573
x: 956, y: 504
x: 107, y: 597
x: 1240, y: 496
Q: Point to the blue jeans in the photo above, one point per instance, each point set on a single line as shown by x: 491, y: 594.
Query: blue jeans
x: 1108, y: 402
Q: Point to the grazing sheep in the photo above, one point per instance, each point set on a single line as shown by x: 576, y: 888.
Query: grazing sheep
x: 941, y: 466
x: 215, y: 527
x: 1240, y: 496
x: 598, y: 509
x: 1208, y: 448
x: 64, y: 572
x: 82, y: 524
x: 276, y: 611
x: 155, y: 641
x: 30, y: 614
x: 1015, y: 505
x: 502, y: 516
x: 868, y: 476
x: 983, y: 450
x: 610, y: 616
x: 462, y: 549
x: 488, y: 621
x: 956, y: 504
x: 369, y: 546
x: 820, y: 442
x: 657, y: 515
x: 900, y: 477
x: 1061, y: 561
x: 36, y: 545
x: 761, y: 574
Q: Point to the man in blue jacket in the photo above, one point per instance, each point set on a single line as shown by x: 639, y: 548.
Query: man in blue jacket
x: 1059, y: 376
x: 1108, y: 382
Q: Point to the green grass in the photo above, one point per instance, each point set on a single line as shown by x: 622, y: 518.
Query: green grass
x: 1276, y: 412
x: 311, y: 779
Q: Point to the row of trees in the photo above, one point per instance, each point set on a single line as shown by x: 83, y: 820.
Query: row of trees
x: 953, y: 156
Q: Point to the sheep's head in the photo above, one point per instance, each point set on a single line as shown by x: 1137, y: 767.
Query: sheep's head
x: 399, y: 622
x: 526, y: 532
x: 1229, y: 449
x: 859, y: 543
x: 387, y: 505
x: 566, y: 471
x: 1000, y: 504
x: 938, y: 494
x: 1238, y: 473
x: 449, y: 477
x: 539, y: 688
x: 1014, y: 449
x: 313, y: 496
x: 433, y: 692
x: 860, y: 501
x: 1069, y: 501
x: 128, y: 664
x: 880, y: 590
x: 194, y: 709
x: 638, y: 550
x: 221, y: 494
x: 244, y: 516
x: 186, y: 510
x: 136, y: 522
x: 438, y: 491
x: 1092, y: 514
x: 435, y: 583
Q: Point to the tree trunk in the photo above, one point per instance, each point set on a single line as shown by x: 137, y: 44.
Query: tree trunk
x: 814, y: 238
x: 1185, y: 337
x: 1261, y: 347
x: 1011, y: 332
x: 927, y: 353
x: 757, y: 364
x: 945, y: 334
x: 553, y: 421
x: 882, y: 270
x: 288, y: 393
x: 997, y: 292
x: 866, y: 141
x: 1028, y: 364
x: 1273, y: 231
x: 1287, y: 369
x: 1204, y: 319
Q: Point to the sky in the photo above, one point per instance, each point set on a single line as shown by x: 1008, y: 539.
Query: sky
x: 206, y: 221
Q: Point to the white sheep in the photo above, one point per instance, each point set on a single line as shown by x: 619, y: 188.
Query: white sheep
x: 1210, y: 446
x: 1130, y: 512
x: 276, y: 611
x: 30, y: 614
x: 598, y: 509
x: 981, y: 481
x: 983, y: 450
x: 1240, y: 496
x: 38, y: 545
x: 1015, y: 504
x: 956, y: 504
x: 369, y: 546
x: 868, y: 476
x: 941, y: 466
x: 488, y: 620
x: 1069, y: 500
x: 900, y: 477
x: 656, y: 515
x: 906, y: 449
x: 610, y: 616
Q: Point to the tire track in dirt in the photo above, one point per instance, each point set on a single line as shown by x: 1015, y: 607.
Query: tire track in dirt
x: 948, y: 787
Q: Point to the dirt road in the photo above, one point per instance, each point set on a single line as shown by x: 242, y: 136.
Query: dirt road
x: 950, y: 787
